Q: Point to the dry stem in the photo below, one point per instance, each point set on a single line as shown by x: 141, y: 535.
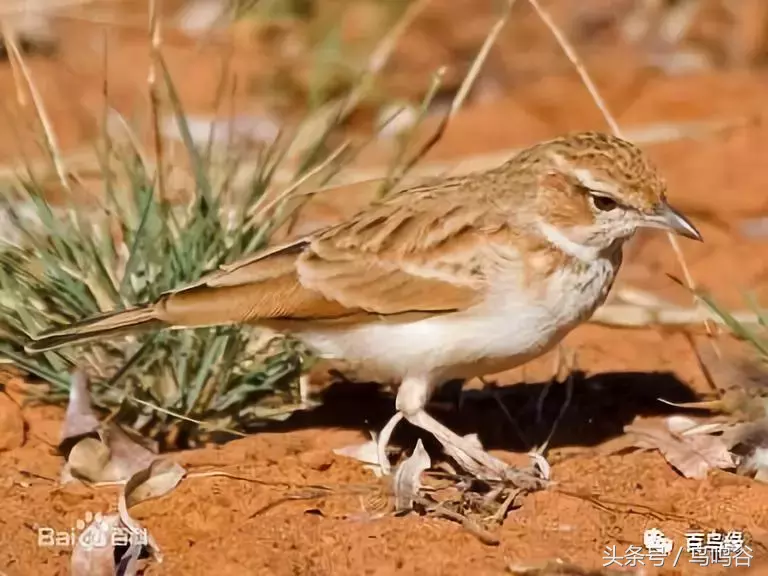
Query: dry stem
x: 156, y: 42
x: 52, y: 144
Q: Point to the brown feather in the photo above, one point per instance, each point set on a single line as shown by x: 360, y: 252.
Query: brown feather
x: 425, y: 250
x: 403, y: 258
x: 100, y: 326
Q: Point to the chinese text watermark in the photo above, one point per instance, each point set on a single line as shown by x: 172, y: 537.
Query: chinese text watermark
x: 725, y: 549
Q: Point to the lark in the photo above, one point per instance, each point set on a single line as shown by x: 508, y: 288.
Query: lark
x: 453, y: 279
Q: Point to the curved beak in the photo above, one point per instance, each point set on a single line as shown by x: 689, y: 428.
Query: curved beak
x: 667, y: 218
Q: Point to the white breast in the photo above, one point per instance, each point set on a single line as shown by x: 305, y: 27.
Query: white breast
x: 508, y: 329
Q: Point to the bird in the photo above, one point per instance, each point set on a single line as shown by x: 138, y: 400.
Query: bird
x: 453, y: 278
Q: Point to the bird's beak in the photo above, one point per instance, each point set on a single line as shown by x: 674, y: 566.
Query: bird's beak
x: 667, y: 218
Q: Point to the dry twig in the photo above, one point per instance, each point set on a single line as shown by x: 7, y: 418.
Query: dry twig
x: 51, y: 141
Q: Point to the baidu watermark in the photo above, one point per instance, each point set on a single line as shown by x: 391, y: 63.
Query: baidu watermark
x: 92, y: 531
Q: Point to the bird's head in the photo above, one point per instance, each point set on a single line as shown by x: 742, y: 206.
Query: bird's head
x: 594, y: 190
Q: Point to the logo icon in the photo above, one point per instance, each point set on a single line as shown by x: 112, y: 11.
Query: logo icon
x: 656, y: 543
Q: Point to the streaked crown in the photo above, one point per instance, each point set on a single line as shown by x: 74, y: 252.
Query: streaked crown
x: 594, y: 188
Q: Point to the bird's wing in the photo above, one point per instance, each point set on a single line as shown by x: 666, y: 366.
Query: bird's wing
x: 417, y: 253
x: 423, y: 253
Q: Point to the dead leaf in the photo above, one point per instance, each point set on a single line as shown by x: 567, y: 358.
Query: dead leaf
x: 96, y: 452
x: 367, y: 453
x: 749, y: 441
x: 94, y: 554
x: 80, y: 420
x: 692, y: 454
x: 96, y: 547
x: 407, y: 478
x: 11, y: 424
x: 159, y: 478
x: 87, y: 460
x: 113, y: 457
x: 156, y: 480
x: 127, y: 457
x: 114, y: 544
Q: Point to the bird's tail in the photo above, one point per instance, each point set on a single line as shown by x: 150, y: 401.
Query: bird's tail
x: 108, y: 324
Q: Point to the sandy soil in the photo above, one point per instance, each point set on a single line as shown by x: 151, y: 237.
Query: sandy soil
x: 226, y: 526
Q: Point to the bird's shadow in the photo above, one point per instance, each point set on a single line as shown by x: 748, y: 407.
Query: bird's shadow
x: 588, y: 411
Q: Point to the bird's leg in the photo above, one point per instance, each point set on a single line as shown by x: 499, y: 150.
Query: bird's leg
x: 411, y: 400
x: 412, y: 395
x: 383, y: 440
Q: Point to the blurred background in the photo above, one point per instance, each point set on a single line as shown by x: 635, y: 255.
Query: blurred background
x: 282, y: 57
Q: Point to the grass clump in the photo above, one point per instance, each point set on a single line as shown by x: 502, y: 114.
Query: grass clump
x: 131, y: 250
x: 138, y: 244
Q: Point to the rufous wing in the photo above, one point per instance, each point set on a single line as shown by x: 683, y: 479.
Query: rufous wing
x: 420, y: 256
x: 416, y: 255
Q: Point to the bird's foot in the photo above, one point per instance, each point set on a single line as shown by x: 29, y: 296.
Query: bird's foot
x: 471, y: 456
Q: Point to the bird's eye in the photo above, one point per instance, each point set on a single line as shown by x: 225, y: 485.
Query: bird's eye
x: 603, y: 203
